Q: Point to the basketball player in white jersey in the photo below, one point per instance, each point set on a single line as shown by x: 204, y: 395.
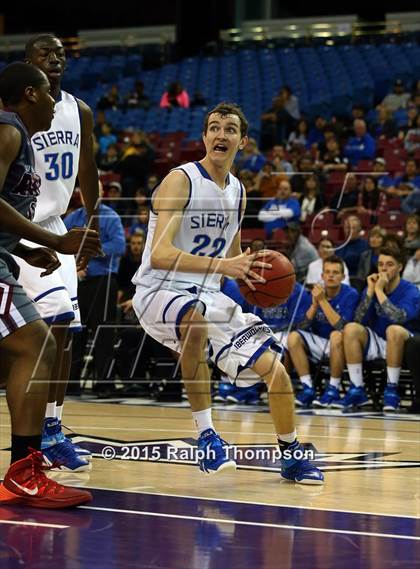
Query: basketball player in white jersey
x: 61, y: 154
x: 193, y: 239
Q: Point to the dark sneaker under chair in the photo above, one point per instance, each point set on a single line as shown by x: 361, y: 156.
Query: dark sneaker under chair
x: 26, y: 484
x: 391, y: 398
x: 214, y: 453
x: 355, y: 397
x: 330, y: 398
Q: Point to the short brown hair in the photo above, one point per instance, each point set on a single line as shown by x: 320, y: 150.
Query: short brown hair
x: 396, y: 254
x: 224, y: 109
x: 334, y: 259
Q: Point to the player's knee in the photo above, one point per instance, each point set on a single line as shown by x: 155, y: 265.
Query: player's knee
x: 194, y: 330
x: 352, y: 330
x: 336, y: 339
x: 395, y: 333
x: 294, y: 340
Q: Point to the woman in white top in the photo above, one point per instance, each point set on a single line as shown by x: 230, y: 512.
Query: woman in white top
x: 325, y: 250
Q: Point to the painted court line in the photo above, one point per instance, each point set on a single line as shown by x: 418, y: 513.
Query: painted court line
x: 36, y: 524
x: 253, y: 524
x: 212, y: 499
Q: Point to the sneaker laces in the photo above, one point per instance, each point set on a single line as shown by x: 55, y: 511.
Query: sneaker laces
x: 45, y: 484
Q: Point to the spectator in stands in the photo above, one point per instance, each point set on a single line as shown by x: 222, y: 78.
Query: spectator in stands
x: 332, y: 159
x: 109, y: 162
x: 141, y: 221
x: 251, y: 158
x: 100, y: 119
x: 411, y: 203
x: 345, y: 200
x: 368, y: 262
x: 354, y: 245
x: 371, y: 200
x: 312, y: 201
x: 412, y: 138
x: 399, y: 97
x: 137, y: 99
x: 411, y: 355
x: 129, y: 264
x: 345, y: 125
x: 265, y: 184
x: 253, y: 195
x: 412, y: 113
x: 278, y: 212
x: 151, y: 183
x: 316, y: 133
x: 320, y: 336
x: 407, y: 182
x: 278, y: 121
x: 106, y: 139
x: 305, y: 166
x: 114, y: 197
x: 175, y: 96
x: 279, y: 159
x: 384, y: 126
x: 315, y: 269
x: 383, y: 320
x: 136, y: 163
x: 299, y: 136
x: 412, y: 269
x: 385, y: 181
x: 361, y: 146
x: 411, y: 229
x: 111, y: 99
x: 302, y: 252
x: 98, y: 296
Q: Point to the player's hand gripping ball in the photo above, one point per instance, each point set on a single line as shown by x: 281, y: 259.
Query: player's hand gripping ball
x: 280, y: 281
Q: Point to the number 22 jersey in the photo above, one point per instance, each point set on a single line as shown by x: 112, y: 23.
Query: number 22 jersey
x: 210, y: 221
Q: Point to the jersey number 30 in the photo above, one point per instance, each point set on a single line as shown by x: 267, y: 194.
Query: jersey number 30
x: 204, y: 241
x: 60, y: 165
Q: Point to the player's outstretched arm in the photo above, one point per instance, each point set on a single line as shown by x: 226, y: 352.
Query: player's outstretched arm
x: 169, y: 203
x: 13, y: 222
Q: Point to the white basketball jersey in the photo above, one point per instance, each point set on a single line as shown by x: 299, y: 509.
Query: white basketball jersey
x: 57, y: 159
x: 210, y: 221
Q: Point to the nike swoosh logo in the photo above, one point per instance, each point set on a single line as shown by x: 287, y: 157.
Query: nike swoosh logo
x: 26, y: 490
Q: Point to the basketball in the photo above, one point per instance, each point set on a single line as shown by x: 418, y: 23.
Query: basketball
x: 280, y: 280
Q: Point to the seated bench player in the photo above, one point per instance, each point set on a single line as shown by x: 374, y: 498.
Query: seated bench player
x: 320, y: 336
x: 386, y: 313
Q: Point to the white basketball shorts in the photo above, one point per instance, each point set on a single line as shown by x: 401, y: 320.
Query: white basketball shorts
x: 56, y: 294
x: 317, y: 347
x: 236, y: 339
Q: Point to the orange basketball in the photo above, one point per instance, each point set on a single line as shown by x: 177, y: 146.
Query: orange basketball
x: 280, y: 280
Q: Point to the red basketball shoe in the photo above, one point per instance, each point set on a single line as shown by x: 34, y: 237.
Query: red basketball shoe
x: 26, y: 484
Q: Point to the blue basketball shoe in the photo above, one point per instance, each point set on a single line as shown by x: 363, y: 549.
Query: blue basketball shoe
x: 213, y: 453
x: 225, y: 389
x: 329, y: 398
x: 296, y: 468
x: 62, y: 456
x: 247, y: 395
x: 305, y: 397
x: 52, y: 435
x: 355, y: 397
x: 391, y: 398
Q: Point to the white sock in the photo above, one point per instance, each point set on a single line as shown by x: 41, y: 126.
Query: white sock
x: 59, y: 411
x: 393, y: 374
x: 50, y: 410
x: 288, y: 437
x: 335, y: 381
x: 356, y: 374
x: 203, y: 420
x: 306, y: 379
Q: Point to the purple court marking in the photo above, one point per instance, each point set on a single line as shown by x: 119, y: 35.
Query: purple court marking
x: 110, y: 539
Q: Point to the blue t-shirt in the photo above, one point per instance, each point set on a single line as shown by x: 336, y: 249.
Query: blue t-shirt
x: 413, y: 183
x: 280, y: 223
x: 405, y: 296
x: 351, y: 252
x: 344, y: 303
x: 290, y: 314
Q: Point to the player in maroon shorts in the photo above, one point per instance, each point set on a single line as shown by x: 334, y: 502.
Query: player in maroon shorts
x: 27, y: 349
